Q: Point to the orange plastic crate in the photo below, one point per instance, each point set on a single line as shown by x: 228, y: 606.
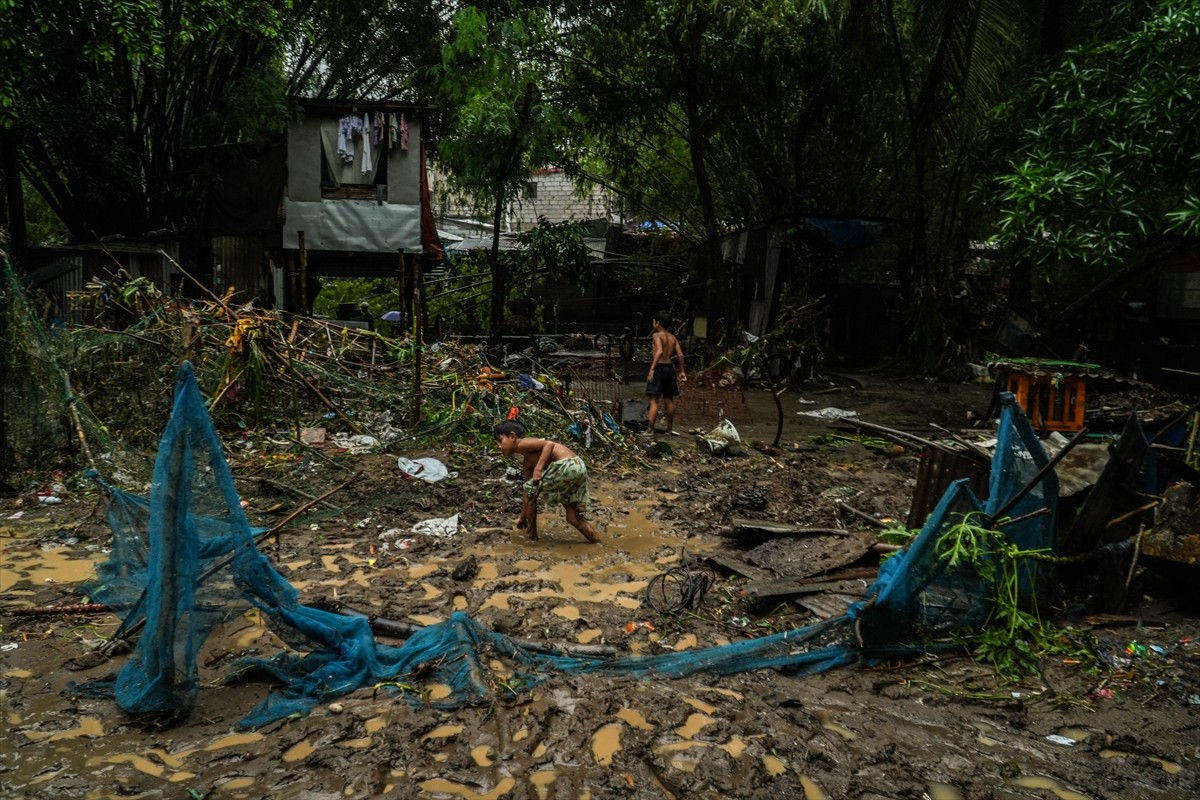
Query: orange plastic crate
x: 1052, y: 402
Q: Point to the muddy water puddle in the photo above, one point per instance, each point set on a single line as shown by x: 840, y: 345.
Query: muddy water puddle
x: 574, y: 573
x: 50, y: 742
x: 26, y: 562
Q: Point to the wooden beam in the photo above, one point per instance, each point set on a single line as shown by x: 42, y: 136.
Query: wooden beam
x: 738, y: 525
x: 783, y: 588
x: 739, y: 567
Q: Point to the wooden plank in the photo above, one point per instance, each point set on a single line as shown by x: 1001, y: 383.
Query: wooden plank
x: 742, y: 524
x: 739, y: 567
x: 859, y: 573
x: 826, y: 606
x: 783, y: 588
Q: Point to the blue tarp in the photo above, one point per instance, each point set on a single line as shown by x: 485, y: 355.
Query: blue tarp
x: 187, y: 559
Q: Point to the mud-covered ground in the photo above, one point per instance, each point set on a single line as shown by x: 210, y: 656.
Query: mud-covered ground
x: 940, y: 728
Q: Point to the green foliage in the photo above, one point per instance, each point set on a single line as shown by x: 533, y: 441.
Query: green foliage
x: 43, y: 228
x: 898, y: 534
x: 1096, y: 157
x: 362, y: 48
x: 104, y: 98
x: 677, y: 92
x: 257, y: 107
x: 1013, y: 640
x: 549, y: 251
x: 146, y: 79
x: 462, y: 298
x: 379, y: 295
x: 497, y: 127
x: 554, y: 249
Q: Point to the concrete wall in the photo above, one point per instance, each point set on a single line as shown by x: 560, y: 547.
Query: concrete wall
x: 554, y: 197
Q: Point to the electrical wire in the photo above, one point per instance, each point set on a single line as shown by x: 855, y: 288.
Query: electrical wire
x: 679, y: 588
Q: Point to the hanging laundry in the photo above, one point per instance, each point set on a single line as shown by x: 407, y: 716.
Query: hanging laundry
x: 348, y: 128
x: 403, y: 132
x: 377, y: 125
x: 393, y: 129
x: 366, y: 140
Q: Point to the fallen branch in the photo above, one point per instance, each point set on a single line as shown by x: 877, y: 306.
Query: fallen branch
x: 274, y: 529
x: 1118, y: 520
x: 1004, y: 523
x: 354, y: 426
x: 220, y: 302
x: 878, y: 523
x: 972, y: 447
x: 895, y: 435
x: 284, y: 487
x: 73, y: 608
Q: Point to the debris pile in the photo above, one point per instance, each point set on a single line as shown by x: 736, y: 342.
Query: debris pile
x: 298, y: 381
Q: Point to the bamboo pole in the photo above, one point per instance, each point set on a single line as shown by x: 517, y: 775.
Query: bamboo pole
x: 304, y: 304
x: 74, y: 608
x: 1041, y: 473
x: 418, y: 322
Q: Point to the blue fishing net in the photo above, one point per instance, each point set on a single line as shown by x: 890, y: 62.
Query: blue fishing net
x: 187, y: 559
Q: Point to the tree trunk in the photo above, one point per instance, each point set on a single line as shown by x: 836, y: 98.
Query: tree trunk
x: 13, y: 218
x: 687, y: 54
x: 499, y: 274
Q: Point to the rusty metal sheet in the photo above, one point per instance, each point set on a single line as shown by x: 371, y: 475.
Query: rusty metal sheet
x: 937, y: 471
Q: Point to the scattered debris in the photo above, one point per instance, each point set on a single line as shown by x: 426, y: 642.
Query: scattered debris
x: 467, y: 569
x: 429, y: 470
x: 722, y: 440
x: 438, y: 528
x: 829, y: 412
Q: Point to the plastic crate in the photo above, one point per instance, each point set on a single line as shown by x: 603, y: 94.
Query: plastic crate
x: 1052, y: 402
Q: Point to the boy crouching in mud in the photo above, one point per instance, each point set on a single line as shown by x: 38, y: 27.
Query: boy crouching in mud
x: 551, y: 471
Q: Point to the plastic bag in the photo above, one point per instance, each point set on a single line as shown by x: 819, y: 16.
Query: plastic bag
x: 429, y: 470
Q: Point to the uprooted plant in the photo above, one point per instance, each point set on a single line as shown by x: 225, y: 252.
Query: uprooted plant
x: 1013, y: 639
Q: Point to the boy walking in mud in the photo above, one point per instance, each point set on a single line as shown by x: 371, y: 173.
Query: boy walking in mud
x: 551, y: 471
x: 662, y: 381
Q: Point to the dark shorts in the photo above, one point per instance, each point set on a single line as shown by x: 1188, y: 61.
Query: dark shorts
x: 665, y: 382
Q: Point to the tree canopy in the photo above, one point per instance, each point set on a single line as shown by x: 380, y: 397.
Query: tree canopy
x: 497, y: 126
x: 102, y: 100
x: 1098, y: 157
x: 706, y: 115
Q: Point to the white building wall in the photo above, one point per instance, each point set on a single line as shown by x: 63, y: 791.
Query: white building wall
x: 554, y: 198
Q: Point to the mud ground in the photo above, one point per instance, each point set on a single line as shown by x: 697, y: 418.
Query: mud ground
x: 940, y: 728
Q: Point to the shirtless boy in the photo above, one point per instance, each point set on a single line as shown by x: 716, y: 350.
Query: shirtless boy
x: 662, y: 381
x: 552, y: 471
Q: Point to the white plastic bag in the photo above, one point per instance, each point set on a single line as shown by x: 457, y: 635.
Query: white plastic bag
x: 429, y: 470
x: 440, y: 528
x: 829, y: 413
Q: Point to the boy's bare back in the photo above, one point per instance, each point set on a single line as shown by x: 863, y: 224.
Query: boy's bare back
x: 531, y: 450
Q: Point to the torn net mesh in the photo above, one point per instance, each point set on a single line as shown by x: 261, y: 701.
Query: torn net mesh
x: 187, y: 559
